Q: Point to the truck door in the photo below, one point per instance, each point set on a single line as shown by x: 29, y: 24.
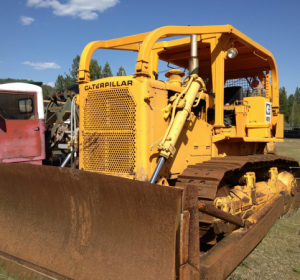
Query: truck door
x: 19, y: 126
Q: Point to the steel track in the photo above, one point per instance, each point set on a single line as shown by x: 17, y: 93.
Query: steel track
x: 213, y: 178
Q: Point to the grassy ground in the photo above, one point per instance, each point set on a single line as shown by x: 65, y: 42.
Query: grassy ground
x: 278, y: 254
x: 5, y: 275
x: 290, y: 148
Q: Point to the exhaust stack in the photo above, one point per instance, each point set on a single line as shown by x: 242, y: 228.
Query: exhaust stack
x: 194, y: 61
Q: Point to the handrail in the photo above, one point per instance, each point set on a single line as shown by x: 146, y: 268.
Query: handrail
x: 125, y: 43
x: 149, y: 39
x: 171, y: 31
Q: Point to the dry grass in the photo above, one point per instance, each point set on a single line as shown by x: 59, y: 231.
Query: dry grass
x: 278, y: 254
x: 290, y: 148
x: 5, y: 275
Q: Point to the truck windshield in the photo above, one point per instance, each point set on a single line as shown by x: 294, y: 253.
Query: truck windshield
x: 17, y: 106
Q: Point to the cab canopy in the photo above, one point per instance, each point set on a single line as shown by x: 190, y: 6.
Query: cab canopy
x: 251, y: 69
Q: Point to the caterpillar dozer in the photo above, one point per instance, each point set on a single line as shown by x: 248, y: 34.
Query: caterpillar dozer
x: 173, y: 179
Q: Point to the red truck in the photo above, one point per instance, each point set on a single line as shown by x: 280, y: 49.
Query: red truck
x: 22, y: 128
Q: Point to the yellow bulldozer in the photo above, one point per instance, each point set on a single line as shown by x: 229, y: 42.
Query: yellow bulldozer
x: 173, y: 181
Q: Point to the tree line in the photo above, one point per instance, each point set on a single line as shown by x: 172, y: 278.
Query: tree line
x: 96, y: 72
x: 290, y: 106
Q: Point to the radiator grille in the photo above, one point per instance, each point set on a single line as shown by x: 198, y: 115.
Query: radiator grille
x: 109, y: 132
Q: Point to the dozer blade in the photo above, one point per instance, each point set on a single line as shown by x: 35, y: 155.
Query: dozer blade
x: 73, y: 224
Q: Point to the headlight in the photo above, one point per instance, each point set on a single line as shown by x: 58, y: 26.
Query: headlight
x: 232, y: 53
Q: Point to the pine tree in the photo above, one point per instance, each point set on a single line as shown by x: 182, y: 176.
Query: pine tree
x: 295, y: 115
x: 106, y: 71
x: 292, y: 115
x: 297, y: 95
x: 283, y: 102
x: 291, y: 100
x: 45, y: 91
x: 74, y: 70
x: 95, y: 70
x: 95, y: 73
x: 121, y: 72
x: 59, y: 84
x: 68, y: 81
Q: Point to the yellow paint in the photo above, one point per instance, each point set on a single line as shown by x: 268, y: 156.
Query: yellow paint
x: 280, y: 126
x: 122, y: 119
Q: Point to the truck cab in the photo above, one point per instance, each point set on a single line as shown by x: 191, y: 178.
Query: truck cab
x: 21, y: 123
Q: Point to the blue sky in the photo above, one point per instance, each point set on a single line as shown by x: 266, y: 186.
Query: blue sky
x: 40, y: 38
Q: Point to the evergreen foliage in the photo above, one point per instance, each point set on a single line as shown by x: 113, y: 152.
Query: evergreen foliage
x: 74, y: 68
x: 9, y: 80
x: 121, y: 72
x: 291, y: 101
x: 59, y: 84
x: 45, y: 91
x: 284, y: 109
x: 293, y: 114
x: 96, y: 72
x: 297, y: 95
x: 68, y: 81
x: 106, y: 71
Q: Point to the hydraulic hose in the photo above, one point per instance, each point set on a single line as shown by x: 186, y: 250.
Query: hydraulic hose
x: 157, y: 169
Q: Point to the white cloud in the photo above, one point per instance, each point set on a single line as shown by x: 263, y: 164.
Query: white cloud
x: 42, y: 65
x: 26, y: 20
x: 51, y: 84
x: 84, y: 9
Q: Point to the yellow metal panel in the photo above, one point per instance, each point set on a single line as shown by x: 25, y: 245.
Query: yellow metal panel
x: 280, y: 126
x: 241, y: 113
x: 190, y: 148
x: 133, y: 47
x: 247, y: 139
x: 126, y: 40
x: 217, y: 58
x: 257, y: 109
x: 258, y: 125
x: 154, y: 61
x: 258, y: 132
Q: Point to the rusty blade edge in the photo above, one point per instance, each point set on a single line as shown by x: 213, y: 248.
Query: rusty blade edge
x: 34, y: 268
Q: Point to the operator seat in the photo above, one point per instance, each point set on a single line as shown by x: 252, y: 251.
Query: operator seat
x: 232, y: 94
